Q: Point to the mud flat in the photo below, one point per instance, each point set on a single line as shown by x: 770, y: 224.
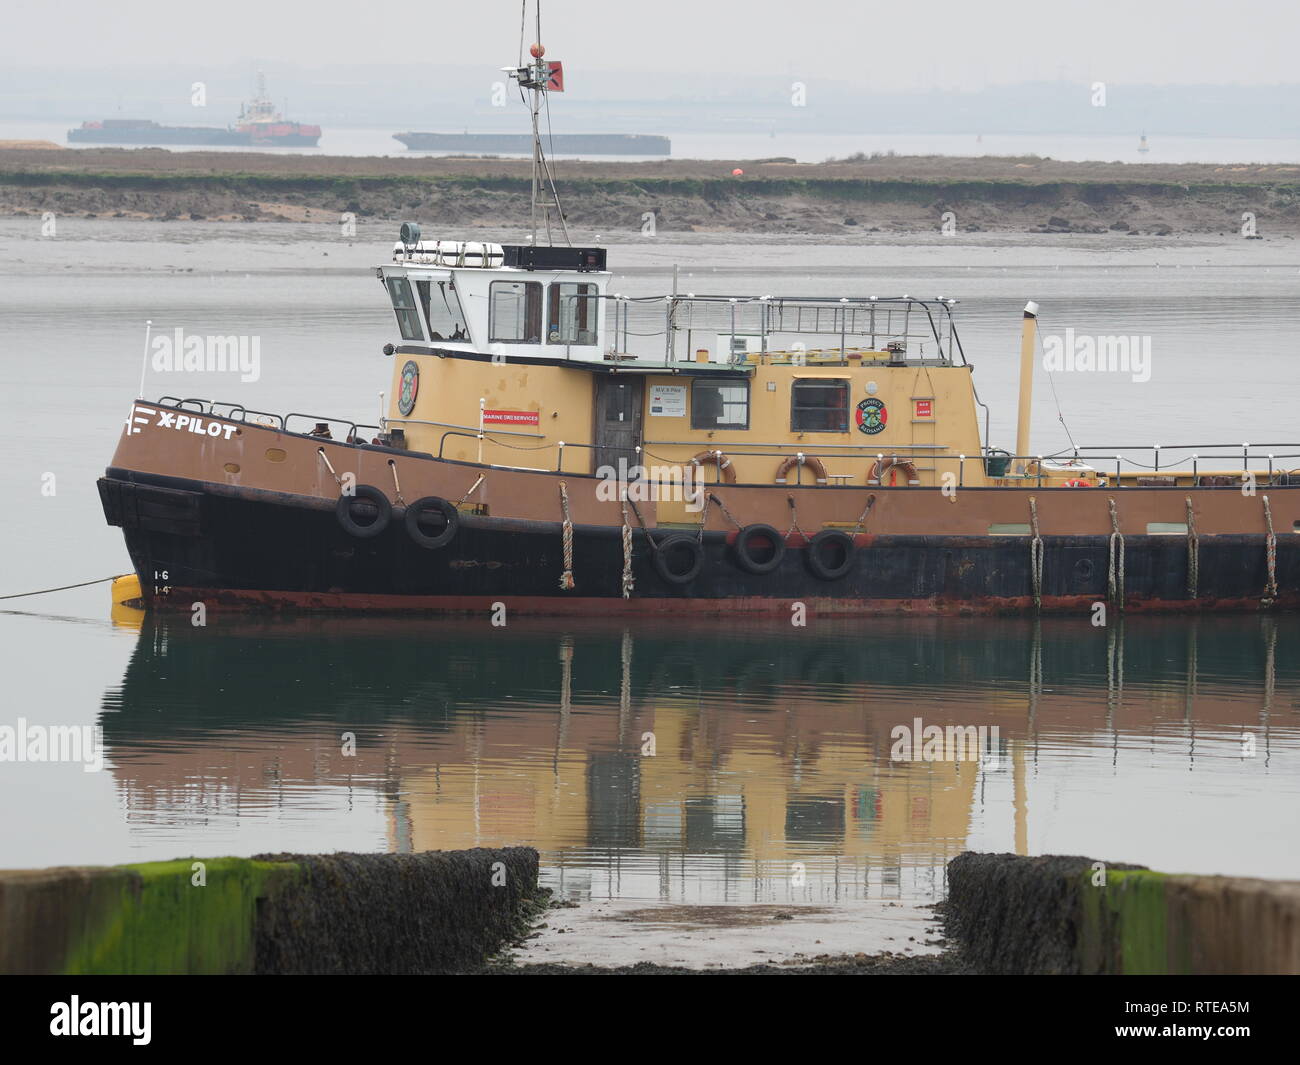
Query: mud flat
x: 893, y: 194
x: 1004, y: 914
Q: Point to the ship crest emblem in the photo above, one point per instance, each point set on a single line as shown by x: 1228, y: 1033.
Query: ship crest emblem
x: 408, y: 389
x: 871, y: 416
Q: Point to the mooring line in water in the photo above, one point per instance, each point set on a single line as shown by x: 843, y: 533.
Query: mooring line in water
x: 65, y: 587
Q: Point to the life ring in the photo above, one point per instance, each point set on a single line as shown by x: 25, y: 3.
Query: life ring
x: 830, y: 540
x: 1078, y: 482
x: 878, y: 470
x: 800, y: 459
x: 675, y: 545
x: 725, y: 469
x: 417, y: 510
x: 744, y: 548
x: 363, y: 493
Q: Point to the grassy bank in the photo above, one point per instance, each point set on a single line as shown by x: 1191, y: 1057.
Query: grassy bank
x: 886, y: 194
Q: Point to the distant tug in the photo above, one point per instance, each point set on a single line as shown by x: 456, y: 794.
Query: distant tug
x: 555, y: 448
x: 260, y: 126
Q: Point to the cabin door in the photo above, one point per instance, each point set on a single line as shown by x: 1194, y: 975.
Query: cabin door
x: 618, y: 421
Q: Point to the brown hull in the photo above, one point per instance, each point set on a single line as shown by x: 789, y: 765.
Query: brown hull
x: 240, y: 515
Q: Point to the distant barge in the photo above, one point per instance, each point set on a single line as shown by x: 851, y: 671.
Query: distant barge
x: 260, y: 125
x: 522, y: 144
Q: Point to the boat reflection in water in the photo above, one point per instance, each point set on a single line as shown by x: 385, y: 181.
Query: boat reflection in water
x: 693, y: 762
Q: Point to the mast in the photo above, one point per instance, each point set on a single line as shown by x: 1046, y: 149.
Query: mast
x: 536, y: 79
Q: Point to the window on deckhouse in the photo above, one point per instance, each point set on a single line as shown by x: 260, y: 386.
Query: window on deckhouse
x: 819, y: 405
x: 515, y: 312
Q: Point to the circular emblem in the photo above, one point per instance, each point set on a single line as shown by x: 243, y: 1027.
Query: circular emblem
x: 871, y: 416
x: 408, y: 389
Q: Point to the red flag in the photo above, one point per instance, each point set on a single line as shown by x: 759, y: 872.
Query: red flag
x: 555, y: 77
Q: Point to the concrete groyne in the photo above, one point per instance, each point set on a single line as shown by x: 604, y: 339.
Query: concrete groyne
x: 441, y: 911
x: 1055, y: 914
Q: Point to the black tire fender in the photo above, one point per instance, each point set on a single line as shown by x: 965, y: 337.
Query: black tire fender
x: 369, y: 494
x: 816, y: 560
x: 674, y: 545
x: 449, y: 513
x: 744, y: 550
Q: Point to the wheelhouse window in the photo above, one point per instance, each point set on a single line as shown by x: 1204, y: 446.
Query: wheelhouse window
x: 572, y: 313
x: 442, y: 313
x: 408, y: 318
x: 718, y: 403
x: 819, y: 405
x: 515, y: 312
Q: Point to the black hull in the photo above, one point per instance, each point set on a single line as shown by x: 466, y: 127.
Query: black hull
x: 221, y: 544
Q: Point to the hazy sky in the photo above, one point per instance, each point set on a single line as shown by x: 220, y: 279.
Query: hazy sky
x: 934, y: 44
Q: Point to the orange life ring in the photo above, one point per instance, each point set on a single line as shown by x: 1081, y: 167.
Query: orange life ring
x: 725, y: 469
x: 1078, y: 482
x: 800, y: 459
x: 878, y: 470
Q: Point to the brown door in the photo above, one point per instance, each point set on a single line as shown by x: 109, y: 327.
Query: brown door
x: 618, y: 421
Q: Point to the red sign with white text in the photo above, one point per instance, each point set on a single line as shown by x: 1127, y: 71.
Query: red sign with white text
x: 924, y: 408
x: 510, y: 417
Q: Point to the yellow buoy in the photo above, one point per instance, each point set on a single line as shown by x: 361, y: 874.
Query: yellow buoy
x: 126, y: 588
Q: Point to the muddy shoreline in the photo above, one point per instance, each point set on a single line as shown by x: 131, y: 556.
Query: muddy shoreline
x: 891, y: 194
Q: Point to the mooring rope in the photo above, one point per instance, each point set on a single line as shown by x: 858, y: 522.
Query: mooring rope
x: 730, y: 517
x: 396, y: 485
x: 1270, y: 551
x: 1193, y: 552
x: 794, y: 520
x: 1035, y: 555
x: 325, y: 458
x: 471, y: 490
x: 862, y: 518
x: 566, y: 578
x: 704, y: 517
x: 654, y: 547
x: 64, y: 587
x: 1115, y: 567
x: 628, y: 582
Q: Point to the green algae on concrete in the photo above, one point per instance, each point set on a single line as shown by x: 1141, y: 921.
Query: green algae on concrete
x: 160, y: 920
x: 1124, y: 924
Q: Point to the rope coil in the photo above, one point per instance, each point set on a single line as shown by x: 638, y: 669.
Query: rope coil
x: 566, y: 578
x: 1115, y: 565
x: 1036, y: 555
x: 1270, y: 554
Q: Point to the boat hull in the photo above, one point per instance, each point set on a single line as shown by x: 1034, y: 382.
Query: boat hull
x: 244, y: 547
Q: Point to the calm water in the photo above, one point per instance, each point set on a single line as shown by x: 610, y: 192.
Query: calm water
x: 771, y: 744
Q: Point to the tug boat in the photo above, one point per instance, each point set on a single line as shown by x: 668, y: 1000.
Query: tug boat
x: 552, y: 447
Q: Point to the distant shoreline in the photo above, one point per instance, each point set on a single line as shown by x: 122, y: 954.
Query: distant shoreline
x: 874, y: 194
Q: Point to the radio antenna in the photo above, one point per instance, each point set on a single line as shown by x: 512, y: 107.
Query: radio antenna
x: 536, y: 79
